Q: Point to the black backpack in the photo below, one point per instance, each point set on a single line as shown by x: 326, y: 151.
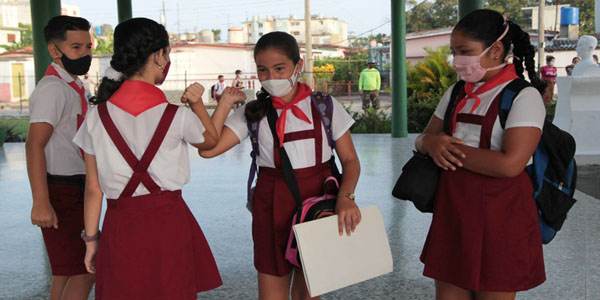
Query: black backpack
x: 553, y: 171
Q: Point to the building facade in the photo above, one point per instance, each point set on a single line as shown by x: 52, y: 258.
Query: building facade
x: 325, y: 30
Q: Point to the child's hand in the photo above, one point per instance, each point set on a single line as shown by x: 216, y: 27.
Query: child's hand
x: 90, y: 256
x: 43, y: 215
x: 442, y: 149
x: 193, y: 94
x: 348, y: 214
x: 232, y: 96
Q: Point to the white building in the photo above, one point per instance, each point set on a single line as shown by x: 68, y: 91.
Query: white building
x: 325, y: 30
x: 15, y: 12
x: 552, y: 17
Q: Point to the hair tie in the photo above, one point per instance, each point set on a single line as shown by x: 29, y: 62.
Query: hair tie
x: 113, y: 74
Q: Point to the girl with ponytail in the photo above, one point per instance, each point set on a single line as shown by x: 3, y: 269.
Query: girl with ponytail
x: 301, y: 131
x: 136, y: 154
x: 484, y: 241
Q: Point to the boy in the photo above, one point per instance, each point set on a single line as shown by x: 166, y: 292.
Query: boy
x: 54, y: 163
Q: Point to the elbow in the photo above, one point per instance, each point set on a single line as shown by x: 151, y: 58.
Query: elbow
x: 511, y: 169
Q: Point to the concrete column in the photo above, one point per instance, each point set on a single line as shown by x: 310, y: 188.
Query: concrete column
x: 41, y: 12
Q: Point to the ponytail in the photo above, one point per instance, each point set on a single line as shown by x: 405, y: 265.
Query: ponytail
x: 257, y: 109
x: 524, y: 56
x: 106, y: 89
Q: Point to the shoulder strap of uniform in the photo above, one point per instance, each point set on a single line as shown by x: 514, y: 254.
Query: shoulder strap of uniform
x: 458, y: 92
x: 507, y: 97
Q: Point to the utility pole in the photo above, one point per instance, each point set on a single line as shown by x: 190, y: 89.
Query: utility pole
x: 163, y: 15
x: 541, y: 33
x: 597, y: 16
x: 308, y: 62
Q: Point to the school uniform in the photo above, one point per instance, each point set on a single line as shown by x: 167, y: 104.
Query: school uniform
x: 151, y: 245
x: 485, y: 233
x: 60, y: 100
x: 305, y: 142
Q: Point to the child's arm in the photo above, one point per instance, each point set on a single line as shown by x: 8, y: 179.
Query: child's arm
x: 229, y: 98
x: 193, y: 96
x: 91, y: 210
x: 42, y: 212
x: 227, y: 141
x: 518, y: 146
x: 348, y: 212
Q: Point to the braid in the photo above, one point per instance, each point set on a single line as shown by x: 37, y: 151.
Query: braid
x: 524, y: 54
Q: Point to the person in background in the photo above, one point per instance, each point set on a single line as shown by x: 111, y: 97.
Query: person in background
x: 369, y: 84
x: 549, y: 73
x: 595, y: 58
x: 237, y: 81
x: 570, y: 67
x: 217, y: 89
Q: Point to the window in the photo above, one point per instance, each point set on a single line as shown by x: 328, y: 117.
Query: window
x: 11, y: 38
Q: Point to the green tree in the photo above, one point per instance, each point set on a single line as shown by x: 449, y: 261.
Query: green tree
x: 104, y: 46
x: 217, y: 34
x: 427, y: 15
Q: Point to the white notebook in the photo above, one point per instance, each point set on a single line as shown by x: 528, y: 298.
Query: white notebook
x: 331, y: 262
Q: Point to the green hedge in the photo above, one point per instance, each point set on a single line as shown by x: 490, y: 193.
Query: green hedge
x: 13, y: 129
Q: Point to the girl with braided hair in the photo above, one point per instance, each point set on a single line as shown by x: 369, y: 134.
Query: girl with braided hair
x: 484, y: 241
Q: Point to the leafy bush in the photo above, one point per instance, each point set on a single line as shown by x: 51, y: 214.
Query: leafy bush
x: 13, y: 129
x: 371, y: 121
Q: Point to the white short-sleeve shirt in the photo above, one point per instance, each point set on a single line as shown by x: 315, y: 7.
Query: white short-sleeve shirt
x: 528, y: 110
x: 301, y: 152
x: 54, y: 102
x: 170, y: 168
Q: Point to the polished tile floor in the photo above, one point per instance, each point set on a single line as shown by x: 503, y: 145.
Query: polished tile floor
x: 216, y: 195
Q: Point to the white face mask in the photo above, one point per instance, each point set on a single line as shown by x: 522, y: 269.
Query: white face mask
x: 281, y: 87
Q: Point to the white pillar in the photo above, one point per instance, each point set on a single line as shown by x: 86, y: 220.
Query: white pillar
x: 308, y: 63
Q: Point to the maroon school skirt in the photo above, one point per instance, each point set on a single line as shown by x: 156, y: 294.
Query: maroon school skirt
x: 272, y: 210
x: 485, y: 234
x: 66, y: 249
x: 152, y: 248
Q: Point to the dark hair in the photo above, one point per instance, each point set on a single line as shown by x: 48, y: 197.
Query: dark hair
x: 575, y: 59
x: 57, y: 27
x: 595, y: 57
x: 238, y: 72
x: 220, y: 76
x: 134, y: 41
x: 487, y: 26
x: 549, y: 58
x: 287, y: 45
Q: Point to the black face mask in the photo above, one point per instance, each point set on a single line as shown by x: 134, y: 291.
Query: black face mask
x: 78, y: 66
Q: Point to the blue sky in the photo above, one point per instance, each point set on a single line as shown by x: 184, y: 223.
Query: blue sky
x: 194, y: 15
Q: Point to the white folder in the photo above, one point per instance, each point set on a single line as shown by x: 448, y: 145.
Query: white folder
x: 331, y: 261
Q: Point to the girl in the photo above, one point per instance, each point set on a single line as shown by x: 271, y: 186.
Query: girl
x: 135, y: 147
x: 301, y: 132
x: 484, y: 241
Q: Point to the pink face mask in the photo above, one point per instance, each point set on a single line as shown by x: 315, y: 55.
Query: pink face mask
x: 469, y: 68
x: 165, y: 73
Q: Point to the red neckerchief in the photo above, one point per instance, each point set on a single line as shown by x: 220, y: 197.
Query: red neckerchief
x: 507, y: 74
x: 80, y: 90
x: 302, y: 91
x: 51, y: 71
x: 136, y: 97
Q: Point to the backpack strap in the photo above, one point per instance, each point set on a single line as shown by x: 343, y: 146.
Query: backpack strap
x: 458, y: 92
x: 507, y: 97
x: 324, y: 104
